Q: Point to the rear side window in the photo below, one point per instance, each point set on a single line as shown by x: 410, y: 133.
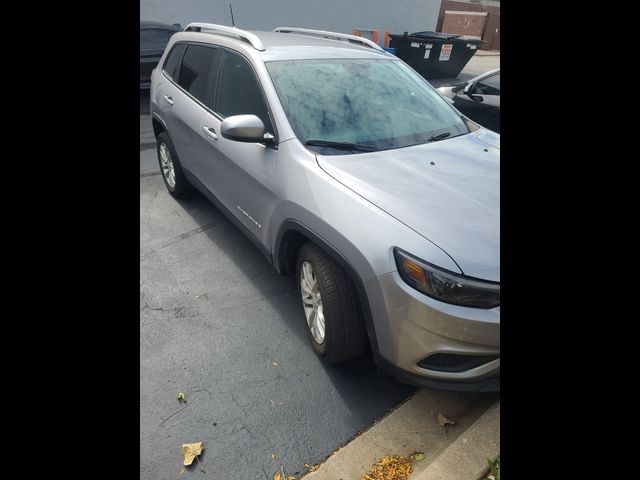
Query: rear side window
x: 197, y: 72
x: 489, y: 86
x: 154, y: 39
x: 239, y: 91
x: 172, y: 63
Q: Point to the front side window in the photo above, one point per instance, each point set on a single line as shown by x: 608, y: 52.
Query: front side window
x: 239, y: 92
x: 172, y: 63
x: 488, y: 86
x: 197, y: 72
x: 378, y: 103
x: 154, y: 38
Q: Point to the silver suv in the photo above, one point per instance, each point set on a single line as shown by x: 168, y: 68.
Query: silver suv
x: 349, y: 171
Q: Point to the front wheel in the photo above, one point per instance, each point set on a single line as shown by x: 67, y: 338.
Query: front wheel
x: 335, y: 326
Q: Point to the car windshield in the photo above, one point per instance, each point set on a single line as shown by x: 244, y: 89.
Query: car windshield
x: 381, y: 104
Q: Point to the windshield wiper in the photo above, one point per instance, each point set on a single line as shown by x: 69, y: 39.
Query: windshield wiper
x: 341, y: 145
x: 442, y: 136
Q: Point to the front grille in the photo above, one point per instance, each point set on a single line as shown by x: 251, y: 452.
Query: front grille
x: 449, y: 362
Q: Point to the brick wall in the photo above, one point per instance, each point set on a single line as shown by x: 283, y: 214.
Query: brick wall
x: 491, y: 36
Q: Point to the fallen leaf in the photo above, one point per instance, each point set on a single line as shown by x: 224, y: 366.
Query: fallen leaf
x: 191, y: 451
x: 291, y: 478
x: 278, y: 476
x: 418, y: 456
x: 181, y: 397
x: 273, y: 456
x: 444, y: 421
x: 390, y: 468
x: 315, y: 468
x: 275, y: 364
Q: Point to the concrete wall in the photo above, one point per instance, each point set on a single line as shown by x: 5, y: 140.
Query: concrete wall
x: 396, y: 16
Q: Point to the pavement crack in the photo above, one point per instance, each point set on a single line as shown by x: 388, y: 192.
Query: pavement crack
x: 179, y: 410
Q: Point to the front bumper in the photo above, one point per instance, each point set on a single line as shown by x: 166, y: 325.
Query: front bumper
x: 411, y: 326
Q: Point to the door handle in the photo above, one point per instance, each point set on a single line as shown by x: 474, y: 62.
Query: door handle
x: 210, y: 131
x: 168, y: 99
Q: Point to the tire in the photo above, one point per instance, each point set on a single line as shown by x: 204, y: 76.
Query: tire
x: 171, y: 172
x: 345, y: 336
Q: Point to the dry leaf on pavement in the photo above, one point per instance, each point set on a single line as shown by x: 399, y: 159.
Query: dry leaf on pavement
x: 390, y: 468
x: 191, y: 451
x: 444, y: 421
x: 278, y: 476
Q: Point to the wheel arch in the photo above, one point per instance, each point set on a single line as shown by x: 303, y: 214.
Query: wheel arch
x: 158, y: 125
x: 291, y: 236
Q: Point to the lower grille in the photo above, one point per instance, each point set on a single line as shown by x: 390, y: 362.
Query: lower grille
x: 449, y: 362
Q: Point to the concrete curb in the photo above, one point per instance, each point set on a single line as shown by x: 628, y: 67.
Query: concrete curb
x: 466, y: 458
x: 412, y: 427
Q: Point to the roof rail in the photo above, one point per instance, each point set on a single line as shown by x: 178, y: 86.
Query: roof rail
x: 213, y: 28
x: 332, y: 35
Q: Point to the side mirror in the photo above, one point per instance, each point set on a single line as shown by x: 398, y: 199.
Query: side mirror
x: 243, y: 128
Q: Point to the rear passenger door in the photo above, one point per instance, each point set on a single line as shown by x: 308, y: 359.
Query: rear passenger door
x: 191, y: 110
x: 242, y: 173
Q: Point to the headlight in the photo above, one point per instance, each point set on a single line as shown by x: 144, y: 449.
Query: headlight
x: 446, y: 286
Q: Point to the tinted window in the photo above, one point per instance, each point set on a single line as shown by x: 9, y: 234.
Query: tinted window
x: 172, y: 63
x: 239, y: 91
x: 154, y: 39
x: 196, y: 72
x: 381, y: 103
x: 488, y: 86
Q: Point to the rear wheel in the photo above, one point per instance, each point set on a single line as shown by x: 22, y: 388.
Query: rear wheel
x: 335, y: 326
x: 172, y: 175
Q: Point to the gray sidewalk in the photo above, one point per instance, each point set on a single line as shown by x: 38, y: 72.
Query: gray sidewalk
x: 413, y: 427
x: 466, y: 458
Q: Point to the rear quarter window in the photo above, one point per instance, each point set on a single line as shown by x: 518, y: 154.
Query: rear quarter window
x: 172, y: 63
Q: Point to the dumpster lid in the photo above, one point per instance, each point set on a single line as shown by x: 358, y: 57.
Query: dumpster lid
x: 438, y: 35
x: 446, y: 36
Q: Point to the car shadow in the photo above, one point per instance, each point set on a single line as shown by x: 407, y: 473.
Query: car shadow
x: 144, y: 101
x: 356, y: 379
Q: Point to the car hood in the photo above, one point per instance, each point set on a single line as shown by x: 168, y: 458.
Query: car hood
x: 447, y: 191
